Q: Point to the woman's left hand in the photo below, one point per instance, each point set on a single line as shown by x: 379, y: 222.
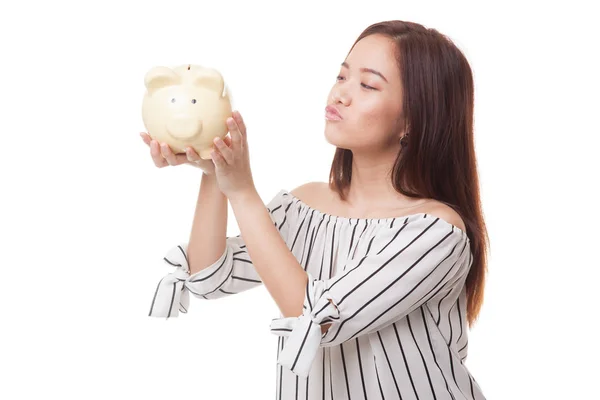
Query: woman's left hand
x: 232, y: 163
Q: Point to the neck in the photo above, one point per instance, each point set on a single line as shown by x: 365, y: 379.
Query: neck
x: 371, y: 182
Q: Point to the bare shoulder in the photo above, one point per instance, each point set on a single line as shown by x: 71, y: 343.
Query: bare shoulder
x: 309, y: 192
x: 318, y: 195
x: 447, y: 213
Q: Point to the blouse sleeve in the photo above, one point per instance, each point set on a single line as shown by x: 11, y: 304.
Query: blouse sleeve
x: 232, y: 273
x: 404, y: 268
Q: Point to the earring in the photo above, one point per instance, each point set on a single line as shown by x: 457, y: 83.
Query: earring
x: 404, y: 140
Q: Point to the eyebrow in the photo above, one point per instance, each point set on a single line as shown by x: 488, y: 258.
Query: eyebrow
x: 345, y: 64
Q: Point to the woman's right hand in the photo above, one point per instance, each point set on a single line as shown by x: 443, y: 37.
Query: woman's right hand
x: 162, y: 155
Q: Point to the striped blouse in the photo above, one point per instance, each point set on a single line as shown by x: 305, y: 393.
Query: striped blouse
x: 393, y: 290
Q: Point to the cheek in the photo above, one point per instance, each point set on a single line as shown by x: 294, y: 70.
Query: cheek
x: 371, y: 116
x: 376, y: 117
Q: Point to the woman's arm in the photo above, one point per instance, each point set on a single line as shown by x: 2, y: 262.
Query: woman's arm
x: 209, y: 229
x: 280, y: 271
x: 221, y: 264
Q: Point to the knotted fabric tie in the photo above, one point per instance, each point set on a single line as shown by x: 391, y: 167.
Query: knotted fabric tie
x: 171, y: 295
x: 304, y: 332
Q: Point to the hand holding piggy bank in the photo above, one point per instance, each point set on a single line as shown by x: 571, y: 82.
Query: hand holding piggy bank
x: 186, y: 106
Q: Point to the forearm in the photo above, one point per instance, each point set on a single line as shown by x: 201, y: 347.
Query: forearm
x: 278, y: 268
x: 280, y: 271
x: 209, y: 229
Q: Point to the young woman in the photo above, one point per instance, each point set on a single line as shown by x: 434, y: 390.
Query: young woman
x: 378, y: 273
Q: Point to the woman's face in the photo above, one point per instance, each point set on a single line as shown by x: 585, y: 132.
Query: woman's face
x: 368, y: 97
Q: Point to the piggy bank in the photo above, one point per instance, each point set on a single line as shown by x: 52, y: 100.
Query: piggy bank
x: 186, y: 106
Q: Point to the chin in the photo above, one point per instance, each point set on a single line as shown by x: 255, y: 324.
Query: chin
x: 336, y: 136
x: 332, y: 133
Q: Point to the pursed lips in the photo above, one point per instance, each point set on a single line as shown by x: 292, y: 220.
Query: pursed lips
x: 332, y: 114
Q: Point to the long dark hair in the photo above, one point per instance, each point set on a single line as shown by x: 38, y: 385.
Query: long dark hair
x: 439, y: 160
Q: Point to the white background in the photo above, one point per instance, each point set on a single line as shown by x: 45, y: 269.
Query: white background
x: 86, y: 217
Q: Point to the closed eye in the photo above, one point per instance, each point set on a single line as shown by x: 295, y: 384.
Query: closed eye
x: 339, y: 78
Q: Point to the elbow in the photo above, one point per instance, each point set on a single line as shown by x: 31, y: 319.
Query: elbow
x: 324, y: 328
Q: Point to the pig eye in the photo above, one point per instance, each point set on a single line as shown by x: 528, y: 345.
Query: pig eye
x: 173, y: 100
x: 193, y: 101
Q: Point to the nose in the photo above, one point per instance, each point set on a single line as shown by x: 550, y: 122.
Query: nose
x: 340, y: 96
x: 184, y: 128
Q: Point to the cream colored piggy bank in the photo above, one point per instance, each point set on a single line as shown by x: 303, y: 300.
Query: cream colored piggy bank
x: 186, y: 106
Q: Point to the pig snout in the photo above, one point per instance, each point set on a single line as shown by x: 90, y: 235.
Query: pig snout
x: 184, y: 128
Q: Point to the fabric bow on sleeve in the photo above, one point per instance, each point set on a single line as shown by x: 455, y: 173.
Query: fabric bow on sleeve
x: 171, y: 295
x: 304, y: 332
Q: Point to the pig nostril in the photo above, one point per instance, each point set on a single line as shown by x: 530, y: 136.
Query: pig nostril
x: 193, y: 101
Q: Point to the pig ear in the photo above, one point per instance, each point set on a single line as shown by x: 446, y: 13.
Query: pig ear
x: 211, y: 79
x: 159, y: 77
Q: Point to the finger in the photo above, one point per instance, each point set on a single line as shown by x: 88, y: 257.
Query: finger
x: 217, y: 158
x: 236, y: 136
x: 181, y: 158
x: 191, y: 154
x: 168, y: 154
x: 226, y: 139
x: 225, y: 151
x: 158, y: 159
x: 146, y: 138
x: 240, y: 121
